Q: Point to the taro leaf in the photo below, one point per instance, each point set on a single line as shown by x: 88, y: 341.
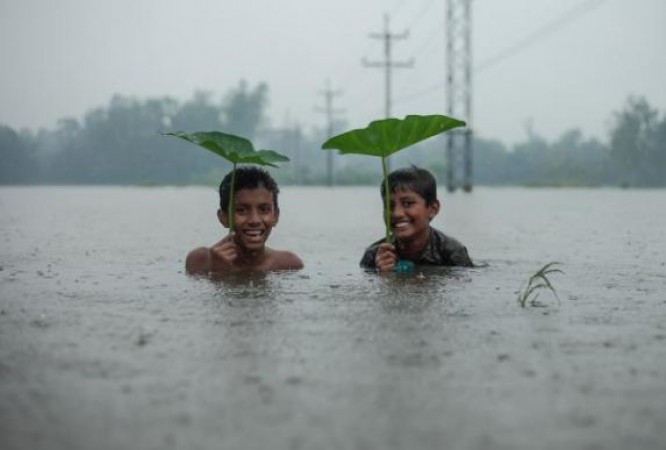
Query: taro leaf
x: 387, y: 136
x: 384, y: 137
x: 234, y: 149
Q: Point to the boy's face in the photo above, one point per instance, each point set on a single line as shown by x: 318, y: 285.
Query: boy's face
x: 410, y: 216
x: 254, y: 217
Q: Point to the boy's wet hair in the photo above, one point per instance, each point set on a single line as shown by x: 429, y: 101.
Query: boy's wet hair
x: 414, y: 179
x: 248, y: 177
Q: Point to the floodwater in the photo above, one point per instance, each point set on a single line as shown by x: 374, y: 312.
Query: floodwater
x: 106, y: 344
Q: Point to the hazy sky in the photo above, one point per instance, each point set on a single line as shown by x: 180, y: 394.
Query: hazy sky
x: 554, y: 64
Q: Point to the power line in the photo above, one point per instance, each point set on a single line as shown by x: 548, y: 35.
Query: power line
x: 542, y: 32
x: 428, y: 41
x: 523, y: 43
x: 420, y: 14
x: 420, y: 93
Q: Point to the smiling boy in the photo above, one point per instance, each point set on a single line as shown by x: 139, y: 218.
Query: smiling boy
x: 256, y: 212
x: 413, y: 204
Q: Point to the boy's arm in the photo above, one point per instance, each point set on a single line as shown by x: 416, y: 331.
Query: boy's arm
x: 452, y: 251
x: 368, y: 258
x: 458, y: 255
x: 461, y: 258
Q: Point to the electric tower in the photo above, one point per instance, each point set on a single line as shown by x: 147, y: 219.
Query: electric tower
x: 459, y: 92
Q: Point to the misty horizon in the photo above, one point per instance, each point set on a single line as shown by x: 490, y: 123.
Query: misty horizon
x: 551, y: 66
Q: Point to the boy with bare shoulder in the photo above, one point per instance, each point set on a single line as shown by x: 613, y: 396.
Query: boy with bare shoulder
x: 256, y: 212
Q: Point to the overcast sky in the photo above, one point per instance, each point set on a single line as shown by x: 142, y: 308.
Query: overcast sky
x: 553, y: 64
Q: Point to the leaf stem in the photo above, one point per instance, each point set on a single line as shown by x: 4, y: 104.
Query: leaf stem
x: 387, y: 202
x: 230, y: 207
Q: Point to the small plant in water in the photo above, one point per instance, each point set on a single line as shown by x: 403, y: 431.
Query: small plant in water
x: 384, y: 137
x: 236, y: 150
x: 529, y: 295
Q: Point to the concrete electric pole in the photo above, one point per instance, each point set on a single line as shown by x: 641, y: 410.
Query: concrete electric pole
x: 328, y: 94
x: 388, y: 64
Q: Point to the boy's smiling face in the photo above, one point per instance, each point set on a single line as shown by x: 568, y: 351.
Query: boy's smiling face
x: 410, y: 216
x: 255, y: 215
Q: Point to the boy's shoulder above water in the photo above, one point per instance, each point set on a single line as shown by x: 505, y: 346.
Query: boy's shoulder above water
x: 444, y: 250
x: 440, y: 250
x: 205, y: 260
x: 249, y: 209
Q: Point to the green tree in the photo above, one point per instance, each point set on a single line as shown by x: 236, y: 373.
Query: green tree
x: 121, y: 143
x: 574, y: 161
x: 637, y: 144
x: 491, y: 162
x: 198, y: 113
x: 244, y: 109
x: 17, y: 162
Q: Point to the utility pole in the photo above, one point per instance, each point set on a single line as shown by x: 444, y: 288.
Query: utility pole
x: 459, y: 90
x: 328, y: 94
x: 290, y: 136
x: 294, y: 136
x: 388, y: 64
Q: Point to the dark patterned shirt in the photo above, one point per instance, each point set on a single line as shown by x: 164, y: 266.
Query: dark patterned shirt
x: 440, y: 250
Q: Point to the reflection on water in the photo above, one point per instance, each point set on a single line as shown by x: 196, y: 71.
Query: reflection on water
x: 414, y: 292
x: 240, y: 285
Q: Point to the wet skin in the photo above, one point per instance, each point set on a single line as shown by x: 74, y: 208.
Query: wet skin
x: 255, y: 215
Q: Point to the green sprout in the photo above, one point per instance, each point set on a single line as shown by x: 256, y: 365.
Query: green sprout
x: 236, y: 150
x: 384, y: 137
x: 538, y: 281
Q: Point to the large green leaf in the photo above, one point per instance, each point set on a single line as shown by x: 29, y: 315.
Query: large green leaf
x: 235, y: 149
x: 384, y: 137
x: 387, y: 136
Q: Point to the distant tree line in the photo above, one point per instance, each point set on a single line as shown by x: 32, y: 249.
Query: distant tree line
x: 121, y: 143
x: 634, y: 156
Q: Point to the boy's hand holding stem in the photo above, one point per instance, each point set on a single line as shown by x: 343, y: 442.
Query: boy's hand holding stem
x: 226, y: 249
x: 386, y: 257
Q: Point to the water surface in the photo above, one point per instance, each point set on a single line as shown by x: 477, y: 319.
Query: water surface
x: 106, y: 344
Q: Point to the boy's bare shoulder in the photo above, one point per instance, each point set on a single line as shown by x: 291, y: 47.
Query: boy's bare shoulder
x: 285, y: 260
x: 198, y: 261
